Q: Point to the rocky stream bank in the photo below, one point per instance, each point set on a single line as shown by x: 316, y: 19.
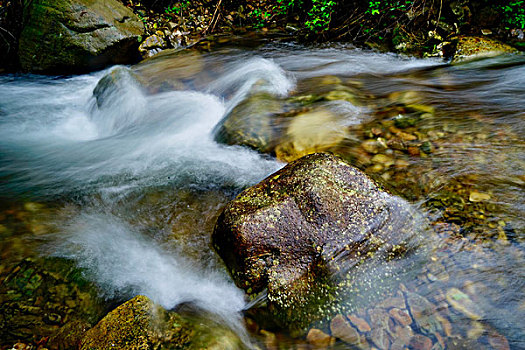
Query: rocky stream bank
x: 73, y: 36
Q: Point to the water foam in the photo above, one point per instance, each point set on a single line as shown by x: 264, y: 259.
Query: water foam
x: 135, y: 140
x: 257, y: 70
x: 123, y: 262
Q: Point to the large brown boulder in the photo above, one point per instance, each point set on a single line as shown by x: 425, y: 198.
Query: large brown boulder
x: 313, y: 220
x: 63, y: 36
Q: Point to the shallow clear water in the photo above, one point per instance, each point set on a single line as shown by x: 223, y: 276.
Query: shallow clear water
x: 130, y: 186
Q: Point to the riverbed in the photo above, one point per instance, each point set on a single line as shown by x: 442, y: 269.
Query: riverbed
x: 125, y: 186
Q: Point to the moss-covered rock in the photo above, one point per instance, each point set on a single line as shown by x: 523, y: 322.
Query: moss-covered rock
x: 141, y: 324
x: 77, y: 35
x: 470, y: 48
x: 138, y: 324
x: 316, y: 218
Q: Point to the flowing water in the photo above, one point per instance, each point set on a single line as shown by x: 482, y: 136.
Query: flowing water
x: 127, y: 183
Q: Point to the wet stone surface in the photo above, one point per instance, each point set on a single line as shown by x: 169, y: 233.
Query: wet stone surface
x: 307, y: 223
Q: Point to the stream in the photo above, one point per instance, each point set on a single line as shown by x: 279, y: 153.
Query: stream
x: 125, y: 185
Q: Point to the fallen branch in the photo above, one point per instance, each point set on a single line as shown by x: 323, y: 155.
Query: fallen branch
x: 213, y: 18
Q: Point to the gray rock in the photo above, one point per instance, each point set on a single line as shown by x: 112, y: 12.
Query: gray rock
x: 250, y: 123
x: 113, y: 84
x: 77, y: 35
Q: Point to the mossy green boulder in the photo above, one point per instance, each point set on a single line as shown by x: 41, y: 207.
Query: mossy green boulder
x: 139, y: 323
x: 470, y: 48
x: 315, y: 219
x: 69, y: 36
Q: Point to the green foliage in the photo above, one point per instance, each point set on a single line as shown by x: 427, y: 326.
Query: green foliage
x: 142, y: 18
x: 259, y: 18
x: 281, y: 8
x: 284, y: 7
x: 380, y: 15
x: 177, y: 9
x: 514, y: 13
x: 373, y: 7
x: 320, y: 15
x: 377, y: 7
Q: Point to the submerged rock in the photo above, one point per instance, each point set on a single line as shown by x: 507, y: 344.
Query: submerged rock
x: 319, y: 338
x: 316, y: 218
x: 174, y: 70
x: 77, y: 35
x: 250, y: 123
x: 341, y: 329
x: 424, y: 313
x: 476, y: 196
x: 172, y: 65
x: 420, y: 342
x: 359, y: 323
x: 289, y: 128
x: 112, y: 85
x: 462, y: 303
x: 310, y: 132
x: 47, y: 300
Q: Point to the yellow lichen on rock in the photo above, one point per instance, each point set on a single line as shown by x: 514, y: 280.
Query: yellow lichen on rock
x: 137, y: 324
x: 470, y: 48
